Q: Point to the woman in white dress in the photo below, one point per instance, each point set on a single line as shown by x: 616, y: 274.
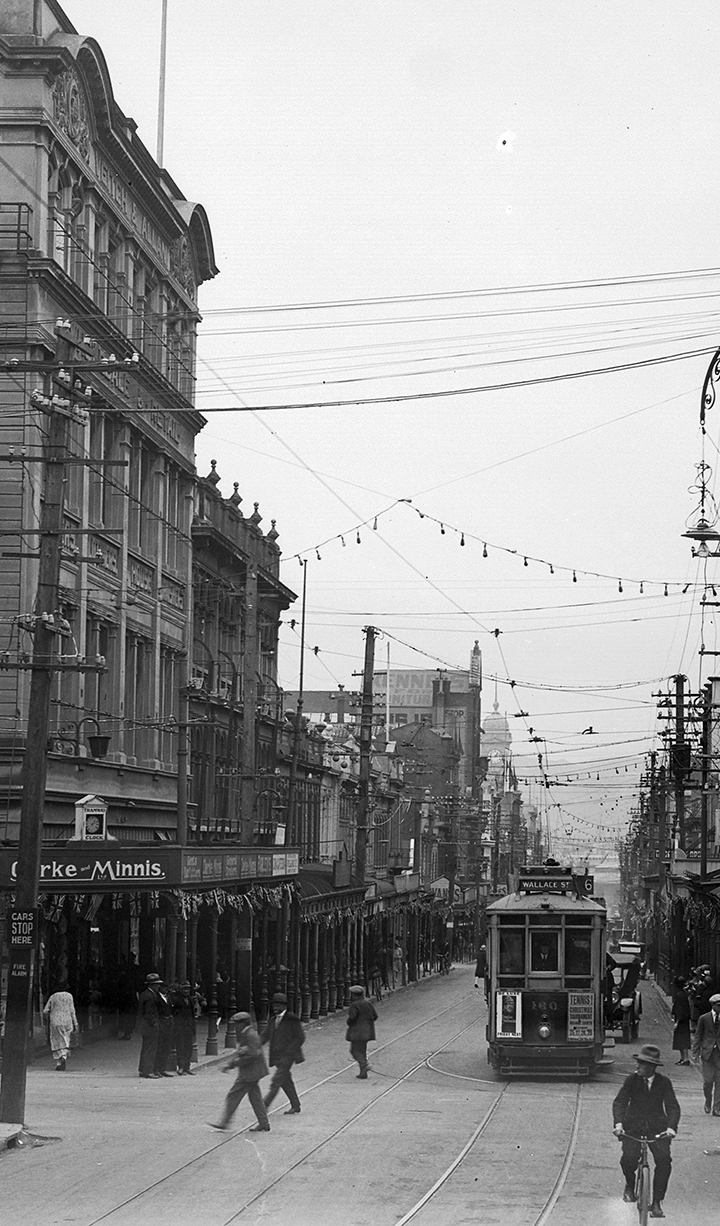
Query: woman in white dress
x: 60, y: 1012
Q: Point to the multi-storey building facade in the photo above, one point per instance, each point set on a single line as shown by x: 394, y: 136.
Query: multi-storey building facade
x: 101, y: 257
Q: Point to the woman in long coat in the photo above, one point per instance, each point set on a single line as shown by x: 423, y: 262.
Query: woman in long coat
x: 681, y: 1016
x: 60, y: 1012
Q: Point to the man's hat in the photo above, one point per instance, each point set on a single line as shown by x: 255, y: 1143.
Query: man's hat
x: 715, y: 1000
x: 279, y: 999
x: 241, y: 1017
x: 186, y: 984
x: 649, y: 1053
x: 356, y: 990
x: 153, y: 979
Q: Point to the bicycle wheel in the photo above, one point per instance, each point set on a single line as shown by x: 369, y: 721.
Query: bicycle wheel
x: 642, y: 1188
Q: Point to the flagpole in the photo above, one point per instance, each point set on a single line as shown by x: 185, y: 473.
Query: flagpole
x: 161, y: 85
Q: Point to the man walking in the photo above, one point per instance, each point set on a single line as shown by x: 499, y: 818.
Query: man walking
x: 285, y: 1035
x: 250, y: 1064
x: 706, y: 1045
x: 646, y: 1106
x: 360, y: 1027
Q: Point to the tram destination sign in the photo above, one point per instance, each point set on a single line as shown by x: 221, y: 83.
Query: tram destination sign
x: 550, y: 883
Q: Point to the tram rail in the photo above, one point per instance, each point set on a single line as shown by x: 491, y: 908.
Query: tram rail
x: 165, y: 1181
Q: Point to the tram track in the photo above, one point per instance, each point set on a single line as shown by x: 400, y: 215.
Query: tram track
x: 165, y: 1181
x: 545, y: 1211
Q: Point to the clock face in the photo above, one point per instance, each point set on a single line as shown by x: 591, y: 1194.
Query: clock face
x: 92, y: 823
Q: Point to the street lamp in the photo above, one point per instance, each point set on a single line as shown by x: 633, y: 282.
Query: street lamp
x: 98, y: 742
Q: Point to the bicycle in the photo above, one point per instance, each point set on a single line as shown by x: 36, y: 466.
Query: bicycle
x: 643, y: 1175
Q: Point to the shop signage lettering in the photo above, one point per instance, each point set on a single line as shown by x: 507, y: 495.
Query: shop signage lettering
x: 100, y: 870
x: 116, y: 189
x: 76, y: 870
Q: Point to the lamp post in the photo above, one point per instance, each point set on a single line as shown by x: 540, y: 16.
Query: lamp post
x: 98, y: 743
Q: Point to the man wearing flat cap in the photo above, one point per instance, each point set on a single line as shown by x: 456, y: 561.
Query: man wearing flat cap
x: 251, y: 1068
x: 285, y: 1035
x: 148, y: 1024
x: 646, y: 1106
x: 361, y: 1019
x: 706, y: 1046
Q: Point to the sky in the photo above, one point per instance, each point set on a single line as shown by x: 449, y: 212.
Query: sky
x: 412, y: 200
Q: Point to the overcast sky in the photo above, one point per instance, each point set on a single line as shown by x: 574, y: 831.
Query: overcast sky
x: 446, y: 148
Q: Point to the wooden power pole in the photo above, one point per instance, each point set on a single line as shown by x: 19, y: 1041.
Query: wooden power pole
x: 366, y: 726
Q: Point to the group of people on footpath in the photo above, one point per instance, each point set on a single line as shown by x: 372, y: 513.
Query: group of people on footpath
x: 166, y: 1022
x: 284, y: 1035
x: 647, y: 1106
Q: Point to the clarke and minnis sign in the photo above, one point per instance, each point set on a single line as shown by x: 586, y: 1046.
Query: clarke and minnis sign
x: 95, y: 869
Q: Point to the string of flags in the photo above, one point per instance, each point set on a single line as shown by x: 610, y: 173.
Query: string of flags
x: 354, y: 534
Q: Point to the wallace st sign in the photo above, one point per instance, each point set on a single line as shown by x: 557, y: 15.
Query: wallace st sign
x: 95, y: 869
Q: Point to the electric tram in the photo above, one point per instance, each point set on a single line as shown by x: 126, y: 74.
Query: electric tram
x: 546, y: 975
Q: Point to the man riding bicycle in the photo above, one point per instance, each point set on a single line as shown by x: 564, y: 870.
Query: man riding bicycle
x: 646, y: 1106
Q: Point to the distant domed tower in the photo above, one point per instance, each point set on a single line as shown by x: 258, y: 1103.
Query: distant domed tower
x: 496, y: 736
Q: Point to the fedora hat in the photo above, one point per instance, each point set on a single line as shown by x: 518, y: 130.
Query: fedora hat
x: 153, y: 979
x: 650, y: 1054
x: 279, y: 998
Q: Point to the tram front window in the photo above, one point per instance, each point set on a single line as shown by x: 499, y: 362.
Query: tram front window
x: 578, y: 953
x: 512, y: 953
x: 544, y: 952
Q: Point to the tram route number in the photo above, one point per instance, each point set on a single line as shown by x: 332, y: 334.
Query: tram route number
x: 22, y: 929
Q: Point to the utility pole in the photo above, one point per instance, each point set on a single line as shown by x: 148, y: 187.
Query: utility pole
x: 705, y: 776
x: 23, y: 917
x: 18, y: 1019
x: 366, y: 725
x: 681, y: 760
x: 292, y: 834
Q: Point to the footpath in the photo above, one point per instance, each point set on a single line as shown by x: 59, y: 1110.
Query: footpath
x: 115, y: 1062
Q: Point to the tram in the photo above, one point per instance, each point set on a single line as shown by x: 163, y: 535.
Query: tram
x: 546, y: 975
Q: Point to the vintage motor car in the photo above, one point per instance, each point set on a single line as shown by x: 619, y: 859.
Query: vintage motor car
x: 623, y: 1000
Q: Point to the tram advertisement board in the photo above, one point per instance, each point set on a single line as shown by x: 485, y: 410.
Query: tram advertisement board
x: 508, y: 1016
x: 581, y: 1016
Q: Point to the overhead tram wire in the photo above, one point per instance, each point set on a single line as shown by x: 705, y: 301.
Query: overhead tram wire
x: 444, y: 393
x: 530, y: 337
x: 507, y: 290
x: 489, y: 363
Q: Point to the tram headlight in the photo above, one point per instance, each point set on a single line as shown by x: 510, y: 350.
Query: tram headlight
x: 544, y: 1030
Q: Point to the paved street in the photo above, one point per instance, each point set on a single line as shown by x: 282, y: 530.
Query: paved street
x: 139, y: 1153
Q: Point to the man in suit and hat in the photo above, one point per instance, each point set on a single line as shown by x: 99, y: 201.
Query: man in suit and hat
x: 361, y: 1019
x: 251, y: 1067
x: 285, y: 1035
x: 706, y: 1045
x: 183, y: 1002
x: 148, y: 1024
x: 646, y: 1106
x: 166, y: 1029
